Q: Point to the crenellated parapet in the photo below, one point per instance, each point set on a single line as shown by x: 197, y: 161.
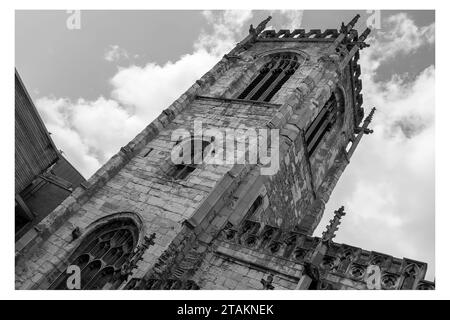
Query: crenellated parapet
x: 355, y: 72
x: 299, y: 35
x: 341, y: 266
x: 160, y: 284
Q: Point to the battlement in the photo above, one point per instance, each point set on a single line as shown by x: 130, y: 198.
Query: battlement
x: 355, y: 72
x: 299, y: 35
x: 340, y: 262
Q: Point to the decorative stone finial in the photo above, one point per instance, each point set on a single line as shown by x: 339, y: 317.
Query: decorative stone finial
x: 252, y: 30
x: 353, y: 22
x: 369, y: 117
x: 360, y: 43
x: 131, y: 263
x: 360, y: 131
x: 364, y: 129
x: 350, y: 25
x: 343, y: 33
x: 267, y: 284
x: 330, y: 233
x: 149, y: 241
x: 260, y: 27
x: 76, y: 233
x: 364, y: 35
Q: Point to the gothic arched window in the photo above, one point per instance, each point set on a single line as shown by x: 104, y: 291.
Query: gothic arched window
x: 271, y: 77
x: 254, y: 207
x: 331, y: 113
x: 191, y: 152
x: 101, y: 256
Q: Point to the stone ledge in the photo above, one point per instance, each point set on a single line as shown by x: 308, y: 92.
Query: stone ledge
x: 295, y: 40
x: 228, y: 253
x: 241, y: 101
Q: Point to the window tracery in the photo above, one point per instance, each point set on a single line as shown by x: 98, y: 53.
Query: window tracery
x: 272, y: 76
x: 101, y: 256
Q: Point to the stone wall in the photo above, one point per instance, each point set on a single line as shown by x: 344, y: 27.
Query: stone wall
x: 241, y: 261
x: 243, y: 269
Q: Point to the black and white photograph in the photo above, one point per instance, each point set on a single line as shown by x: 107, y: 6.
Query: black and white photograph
x: 228, y: 151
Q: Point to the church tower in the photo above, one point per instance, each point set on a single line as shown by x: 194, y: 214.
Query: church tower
x: 157, y: 215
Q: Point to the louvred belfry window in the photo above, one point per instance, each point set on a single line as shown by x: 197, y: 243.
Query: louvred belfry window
x: 271, y: 77
x: 101, y: 256
x: 323, y: 122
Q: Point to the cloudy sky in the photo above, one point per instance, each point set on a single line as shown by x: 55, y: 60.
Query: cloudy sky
x: 98, y: 86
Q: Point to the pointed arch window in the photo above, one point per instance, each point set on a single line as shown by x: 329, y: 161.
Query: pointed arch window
x: 271, y: 77
x: 254, y: 208
x: 330, y: 114
x: 101, y: 256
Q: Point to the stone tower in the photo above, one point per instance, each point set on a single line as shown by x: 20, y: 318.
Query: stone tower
x: 145, y: 221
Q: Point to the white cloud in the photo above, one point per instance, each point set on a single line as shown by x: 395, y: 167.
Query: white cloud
x: 75, y: 149
x: 227, y: 25
x: 150, y: 89
x: 83, y: 129
x: 399, y: 35
x: 293, y: 18
x: 115, y: 53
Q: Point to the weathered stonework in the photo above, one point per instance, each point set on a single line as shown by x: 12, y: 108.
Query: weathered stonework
x: 208, y: 233
x: 247, y: 258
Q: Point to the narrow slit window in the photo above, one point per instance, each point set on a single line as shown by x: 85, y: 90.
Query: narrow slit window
x: 271, y: 78
x: 322, y: 124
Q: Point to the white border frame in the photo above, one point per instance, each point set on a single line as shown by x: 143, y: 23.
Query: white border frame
x: 7, y: 15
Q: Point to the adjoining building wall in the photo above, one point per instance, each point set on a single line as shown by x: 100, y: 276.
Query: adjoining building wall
x: 43, y: 177
x: 34, y: 149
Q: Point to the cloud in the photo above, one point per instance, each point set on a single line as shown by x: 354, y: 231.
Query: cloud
x: 388, y: 187
x: 285, y: 19
x: 83, y: 129
x: 399, y: 36
x: 149, y: 89
x: 115, y: 53
x: 227, y: 25
x: 293, y: 18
